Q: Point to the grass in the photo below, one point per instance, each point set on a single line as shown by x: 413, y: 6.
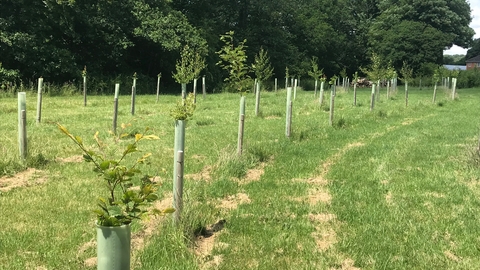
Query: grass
x: 395, y: 188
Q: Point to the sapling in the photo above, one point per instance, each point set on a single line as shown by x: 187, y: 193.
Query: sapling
x: 188, y: 68
x: 332, y: 98
x: 315, y: 73
x: 355, y: 80
x: 234, y: 60
x: 123, y: 204
x: 436, y: 77
x: 263, y: 71
x: 374, y: 71
x: 406, y: 72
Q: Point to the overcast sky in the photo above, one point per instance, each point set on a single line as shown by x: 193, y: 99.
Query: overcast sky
x: 475, y: 24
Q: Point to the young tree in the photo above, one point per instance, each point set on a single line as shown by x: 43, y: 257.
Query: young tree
x: 234, y: 60
x: 406, y: 71
x: 315, y: 73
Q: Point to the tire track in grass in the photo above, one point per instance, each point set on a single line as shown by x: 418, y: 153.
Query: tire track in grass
x: 326, y: 223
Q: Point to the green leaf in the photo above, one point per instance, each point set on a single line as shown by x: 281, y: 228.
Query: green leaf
x: 79, y: 140
x: 105, y: 165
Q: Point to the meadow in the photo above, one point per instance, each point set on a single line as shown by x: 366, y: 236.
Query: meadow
x: 392, y: 188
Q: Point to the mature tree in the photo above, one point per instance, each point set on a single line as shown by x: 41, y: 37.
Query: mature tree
x: 418, y: 31
x: 474, y: 50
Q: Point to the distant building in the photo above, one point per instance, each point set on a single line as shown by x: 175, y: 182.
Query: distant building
x: 473, y: 62
x: 455, y: 67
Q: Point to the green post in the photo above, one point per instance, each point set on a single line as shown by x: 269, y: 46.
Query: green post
x: 39, y: 100
x: 179, y: 145
x: 22, y: 131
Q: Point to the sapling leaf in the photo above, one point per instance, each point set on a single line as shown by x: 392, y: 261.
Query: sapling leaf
x: 79, y: 140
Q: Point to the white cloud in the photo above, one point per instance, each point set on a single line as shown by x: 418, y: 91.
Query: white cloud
x: 475, y: 24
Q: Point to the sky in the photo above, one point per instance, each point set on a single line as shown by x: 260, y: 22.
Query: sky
x: 475, y: 24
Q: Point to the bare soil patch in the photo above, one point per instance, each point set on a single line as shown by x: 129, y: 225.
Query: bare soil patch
x: 205, y: 243
x: 72, y: 159
x: 205, y: 174
x: 29, y: 177
x: 322, y: 218
x: 233, y: 201
x: 325, y: 238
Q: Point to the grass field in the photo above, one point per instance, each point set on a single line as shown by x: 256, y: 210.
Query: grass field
x: 392, y: 188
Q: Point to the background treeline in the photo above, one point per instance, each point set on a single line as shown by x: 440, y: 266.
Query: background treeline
x: 56, y: 39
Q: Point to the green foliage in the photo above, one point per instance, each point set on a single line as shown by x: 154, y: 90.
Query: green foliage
x: 184, y: 108
x: 333, y: 79
x: 7, y: 77
x: 123, y: 203
x: 343, y: 73
x: 261, y: 66
x: 234, y: 60
x: 375, y: 71
x: 189, y: 66
x: 406, y: 71
x: 315, y: 73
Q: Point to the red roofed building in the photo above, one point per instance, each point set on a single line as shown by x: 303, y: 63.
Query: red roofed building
x: 473, y: 62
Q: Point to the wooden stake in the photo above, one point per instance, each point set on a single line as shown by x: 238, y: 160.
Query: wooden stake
x: 178, y: 197
x: 39, y: 100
